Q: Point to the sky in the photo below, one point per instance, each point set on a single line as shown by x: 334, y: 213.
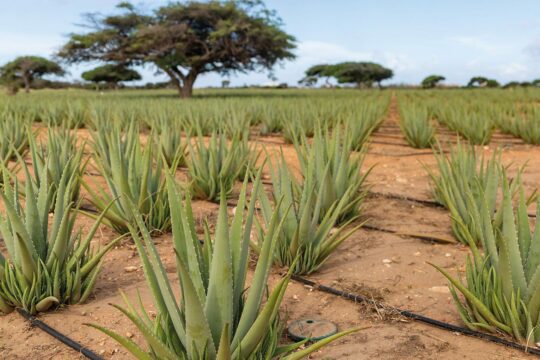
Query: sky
x: 458, y: 39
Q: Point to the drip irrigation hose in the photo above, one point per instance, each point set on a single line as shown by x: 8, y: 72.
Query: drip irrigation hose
x: 418, y: 317
x: 89, y: 354
x: 400, y: 155
x: 419, y: 236
x: 430, y: 203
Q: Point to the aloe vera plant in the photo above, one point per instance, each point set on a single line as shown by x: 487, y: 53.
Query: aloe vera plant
x: 306, y: 239
x: 474, y: 125
x: 502, y: 288
x: 13, y: 134
x: 60, y: 156
x: 416, y: 125
x: 528, y: 127
x: 271, y: 121
x: 214, y: 168
x: 360, y: 125
x: 217, y: 317
x: 335, y: 171
x: 295, y: 127
x: 251, y: 154
x: 110, y: 138
x: 135, y: 177
x: 171, y: 145
x: 46, y: 265
x: 463, y: 176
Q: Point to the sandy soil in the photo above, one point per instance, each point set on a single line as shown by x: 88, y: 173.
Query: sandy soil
x: 386, y: 266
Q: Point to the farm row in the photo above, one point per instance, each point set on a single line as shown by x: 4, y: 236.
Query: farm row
x: 142, y: 168
x: 473, y: 114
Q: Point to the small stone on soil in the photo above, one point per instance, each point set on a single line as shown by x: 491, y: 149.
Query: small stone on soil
x: 440, y: 289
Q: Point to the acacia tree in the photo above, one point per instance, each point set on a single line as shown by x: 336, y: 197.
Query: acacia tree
x: 25, y: 69
x: 318, y: 71
x: 480, y: 81
x: 111, y: 74
x: 185, y: 40
x: 363, y: 74
x: 308, y: 81
x: 432, y: 81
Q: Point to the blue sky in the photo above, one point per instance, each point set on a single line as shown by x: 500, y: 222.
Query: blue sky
x: 458, y: 39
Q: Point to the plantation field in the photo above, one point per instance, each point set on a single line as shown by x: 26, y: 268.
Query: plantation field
x: 392, y: 132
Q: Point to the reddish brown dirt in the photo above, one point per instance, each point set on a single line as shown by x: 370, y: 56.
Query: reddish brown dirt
x: 388, y: 267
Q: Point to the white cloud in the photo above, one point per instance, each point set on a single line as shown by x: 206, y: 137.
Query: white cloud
x: 514, y: 69
x: 313, y: 52
x: 478, y: 43
x: 317, y: 52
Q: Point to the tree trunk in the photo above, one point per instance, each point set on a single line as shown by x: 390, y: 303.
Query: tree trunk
x: 186, y: 89
x: 26, y: 80
x: 182, y: 83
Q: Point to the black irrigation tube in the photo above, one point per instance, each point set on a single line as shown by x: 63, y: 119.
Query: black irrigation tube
x: 414, y: 236
x: 418, y: 317
x: 400, y: 155
x: 34, y: 321
x: 430, y: 203
x: 407, y: 198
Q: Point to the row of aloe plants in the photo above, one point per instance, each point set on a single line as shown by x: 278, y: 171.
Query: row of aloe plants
x: 331, y: 194
x: 416, y: 123
x: 473, y: 115
x: 280, y: 114
x: 49, y: 267
x: 464, y: 178
x: 500, y: 292
x: 502, y: 284
x: 216, y: 318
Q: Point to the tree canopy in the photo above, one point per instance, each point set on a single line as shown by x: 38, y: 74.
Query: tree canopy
x: 480, y: 81
x: 25, y: 69
x: 308, y: 81
x: 363, y: 74
x: 111, y: 74
x: 185, y: 40
x: 514, y: 84
x: 432, y: 81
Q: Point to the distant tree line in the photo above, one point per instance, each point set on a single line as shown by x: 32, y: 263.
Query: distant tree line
x: 432, y: 81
